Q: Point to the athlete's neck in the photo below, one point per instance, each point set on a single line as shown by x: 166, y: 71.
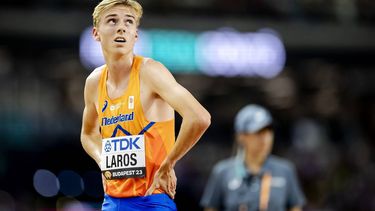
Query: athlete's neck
x: 119, y: 67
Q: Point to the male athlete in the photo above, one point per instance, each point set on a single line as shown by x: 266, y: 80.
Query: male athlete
x: 128, y: 120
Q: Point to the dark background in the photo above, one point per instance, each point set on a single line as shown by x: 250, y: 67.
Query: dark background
x: 323, y: 101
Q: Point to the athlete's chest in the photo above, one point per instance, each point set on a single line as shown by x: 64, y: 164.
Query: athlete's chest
x: 116, y: 90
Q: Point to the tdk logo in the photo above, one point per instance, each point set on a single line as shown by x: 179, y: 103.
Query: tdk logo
x: 128, y: 143
x: 108, y: 146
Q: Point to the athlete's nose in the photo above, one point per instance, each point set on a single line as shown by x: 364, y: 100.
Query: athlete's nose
x: 121, y: 30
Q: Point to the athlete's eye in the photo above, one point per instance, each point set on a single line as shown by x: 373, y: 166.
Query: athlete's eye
x: 130, y: 21
x: 111, y: 21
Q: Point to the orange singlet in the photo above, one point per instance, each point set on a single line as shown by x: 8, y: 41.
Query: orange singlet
x: 124, y: 117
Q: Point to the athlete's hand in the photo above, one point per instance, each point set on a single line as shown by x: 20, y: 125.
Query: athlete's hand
x: 165, y: 179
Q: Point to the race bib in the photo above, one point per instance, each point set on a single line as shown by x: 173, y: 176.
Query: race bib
x: 123, y: 157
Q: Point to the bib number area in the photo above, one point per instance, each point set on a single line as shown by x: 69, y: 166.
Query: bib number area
x: 123, y: 157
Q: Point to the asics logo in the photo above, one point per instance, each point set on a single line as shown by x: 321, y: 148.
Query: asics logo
x: 105, y: 105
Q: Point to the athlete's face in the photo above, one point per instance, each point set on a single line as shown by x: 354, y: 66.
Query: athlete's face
x: 257, y: 144
x: 117, y: 30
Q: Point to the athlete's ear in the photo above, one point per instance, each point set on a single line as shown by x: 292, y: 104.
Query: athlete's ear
x: 95, y: 34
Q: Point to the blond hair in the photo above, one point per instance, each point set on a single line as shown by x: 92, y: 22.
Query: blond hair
x: 107, y: 4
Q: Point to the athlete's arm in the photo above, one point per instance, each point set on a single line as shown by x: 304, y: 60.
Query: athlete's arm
x: 90, y: 136
x: 195, y: 118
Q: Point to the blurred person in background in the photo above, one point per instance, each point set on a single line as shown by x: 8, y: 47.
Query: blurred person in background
x: 128, y: 120
x: 253, y: 179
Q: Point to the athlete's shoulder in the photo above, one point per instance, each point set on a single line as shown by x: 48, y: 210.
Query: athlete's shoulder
x: 154, y: 73
x: 93, y: 78
x: 152, y: 66
x: 147, y: 61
